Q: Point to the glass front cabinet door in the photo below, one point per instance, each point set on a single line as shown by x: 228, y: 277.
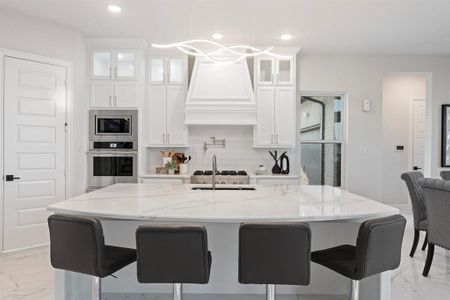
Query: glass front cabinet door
x: 265, y: 71
x: 126, y: 67
x: 285, y: 71
x: 110, y: 64
x: 157, y: 70
x: 101, y: 65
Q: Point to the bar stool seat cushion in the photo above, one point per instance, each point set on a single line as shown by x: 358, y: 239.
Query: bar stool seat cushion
x: 115, y: 258
x: 340, y: 259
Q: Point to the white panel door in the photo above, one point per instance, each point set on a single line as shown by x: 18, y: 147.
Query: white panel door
x: 35, y: 100
x: 285, y: 71
x: 264, y: 129
x: 125, y: 94
x: 285, y: 116
x: 102, y: 92
x: 418, y: 134
x: 176, y: 70
x: 157, y: 114
x: 265, y: 70
x: 176, y: 130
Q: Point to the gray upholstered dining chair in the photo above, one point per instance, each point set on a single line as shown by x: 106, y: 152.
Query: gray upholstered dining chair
x: 437, y: 200
x: 418, y: 207
x: 445, y: 175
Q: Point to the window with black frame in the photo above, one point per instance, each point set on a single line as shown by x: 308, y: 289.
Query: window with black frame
x: 321, y: 140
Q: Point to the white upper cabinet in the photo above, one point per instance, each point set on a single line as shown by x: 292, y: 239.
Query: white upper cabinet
x: 275, y: 71
x: 285, y: 116
x: 167, y: 70
x: 275, y: 87
x: 114, y: 78
x: 265, y: 105
x: 114, y: 64
x: 167, y: 80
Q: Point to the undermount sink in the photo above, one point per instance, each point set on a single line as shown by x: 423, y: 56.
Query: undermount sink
x: 228, y: 188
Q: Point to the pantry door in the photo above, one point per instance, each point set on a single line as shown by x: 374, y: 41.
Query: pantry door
x: 34, y: 149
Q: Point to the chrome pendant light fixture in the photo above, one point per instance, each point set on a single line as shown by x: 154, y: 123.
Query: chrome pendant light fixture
x: 220, y: 52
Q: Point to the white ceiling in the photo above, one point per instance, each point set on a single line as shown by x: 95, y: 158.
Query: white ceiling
x: 319, y: 26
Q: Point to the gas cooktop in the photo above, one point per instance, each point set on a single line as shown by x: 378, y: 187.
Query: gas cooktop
x: 222, y: 177
x: 221, y: 172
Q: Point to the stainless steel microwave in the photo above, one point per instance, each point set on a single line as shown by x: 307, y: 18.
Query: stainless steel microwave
x: 113, y: 125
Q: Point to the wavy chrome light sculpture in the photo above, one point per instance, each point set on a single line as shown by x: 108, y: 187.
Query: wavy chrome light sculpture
x: 188, y: 48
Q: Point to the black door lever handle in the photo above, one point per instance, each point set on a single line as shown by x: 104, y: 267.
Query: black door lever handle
x: 11, y: 178
x: 415, y: 168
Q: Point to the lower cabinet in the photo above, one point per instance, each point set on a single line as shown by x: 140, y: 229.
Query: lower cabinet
x: 274, y: 180
x: 161, y: 180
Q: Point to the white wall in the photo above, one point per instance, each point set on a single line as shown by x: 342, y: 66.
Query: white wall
x: 362, y: 77
x: 398, y: 91
x: 27, y: 34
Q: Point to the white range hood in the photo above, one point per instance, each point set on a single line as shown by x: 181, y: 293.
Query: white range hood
x: 220, y: 94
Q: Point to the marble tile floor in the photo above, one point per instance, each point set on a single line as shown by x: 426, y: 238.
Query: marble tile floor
x: 27, y: 275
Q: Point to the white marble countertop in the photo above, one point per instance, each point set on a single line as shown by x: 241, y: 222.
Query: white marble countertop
x: 168, y: 202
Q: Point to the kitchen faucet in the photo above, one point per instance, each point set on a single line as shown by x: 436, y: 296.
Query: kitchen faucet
x: 214, y: 170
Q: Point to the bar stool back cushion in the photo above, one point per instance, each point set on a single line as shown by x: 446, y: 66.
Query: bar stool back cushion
x: 172, y: 254
x: 378, y: 249
x: 437, y: 199
x: 77, y: 244
x: 274, y: 253
x: 379, y: 244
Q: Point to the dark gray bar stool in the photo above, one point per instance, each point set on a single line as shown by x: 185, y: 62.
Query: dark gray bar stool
x: 173, y: 254
x: 378, y: 249
x: 274, y: 253
x: 77, y: 244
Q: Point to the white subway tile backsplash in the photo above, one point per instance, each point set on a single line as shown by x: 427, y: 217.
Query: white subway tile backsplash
x: 238, y: 153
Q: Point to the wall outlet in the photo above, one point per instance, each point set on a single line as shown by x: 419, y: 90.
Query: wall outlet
x: 366, y: 105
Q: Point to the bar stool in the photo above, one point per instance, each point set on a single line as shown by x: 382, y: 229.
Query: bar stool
x: 378, y: 249
x: 77, y: 244
x: 274, y: 253
x: 173, y: 254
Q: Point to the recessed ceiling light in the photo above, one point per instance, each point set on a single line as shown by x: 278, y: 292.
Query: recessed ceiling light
x: 286, y: 37
x: 217, y: 36
x: 114, y: 8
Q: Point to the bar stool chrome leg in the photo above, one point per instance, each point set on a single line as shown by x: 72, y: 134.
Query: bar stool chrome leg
x: 270, y: 291
x: 354, y: 290
x: 96, y: 288
x: 177, y: 291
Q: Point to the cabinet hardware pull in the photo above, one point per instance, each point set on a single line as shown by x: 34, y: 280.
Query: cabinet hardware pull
x: 168, y: 138
x: 110, y: 72
x: 164, y: 138
x: 272, y: 140
x: 164, y: 77
x: 168, y: 77
x: 110, y: 101
x: 115, y: 72
x: 115, y: 100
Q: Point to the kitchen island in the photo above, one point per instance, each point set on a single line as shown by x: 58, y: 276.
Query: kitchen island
x: 334, y: 215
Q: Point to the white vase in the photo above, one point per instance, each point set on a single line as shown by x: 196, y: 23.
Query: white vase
x: 183, y: 169
x: 171, y: 171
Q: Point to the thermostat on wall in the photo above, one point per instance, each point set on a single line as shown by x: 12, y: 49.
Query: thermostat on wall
x: 400, y: 147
